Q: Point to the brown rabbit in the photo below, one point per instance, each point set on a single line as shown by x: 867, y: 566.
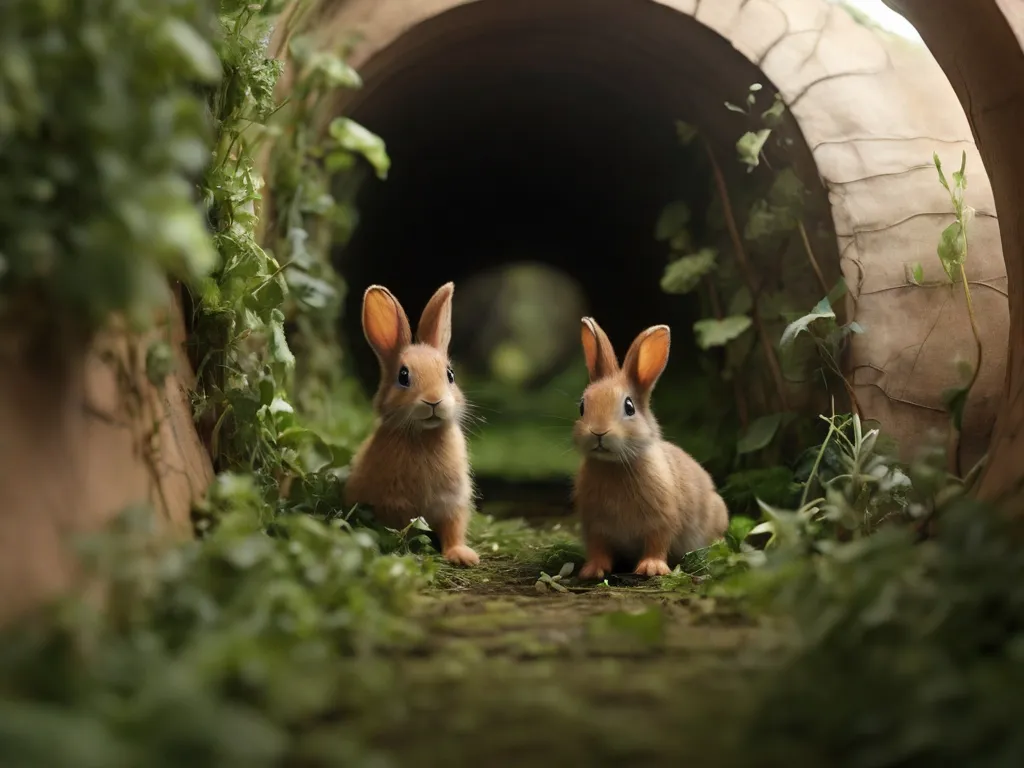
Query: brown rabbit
x: 638, y: 496
x: 415, y: 463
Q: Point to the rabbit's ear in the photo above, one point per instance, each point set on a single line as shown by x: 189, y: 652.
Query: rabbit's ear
x: 385, y: 323
x: 598, y: 351
x: 647, y: 357
x: 435, y: 326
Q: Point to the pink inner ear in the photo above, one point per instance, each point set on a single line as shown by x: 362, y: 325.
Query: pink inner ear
x: 652, y: 357
x: 381, y: 322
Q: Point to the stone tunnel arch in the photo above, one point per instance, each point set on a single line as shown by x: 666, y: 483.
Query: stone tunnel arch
x: 868, y: 110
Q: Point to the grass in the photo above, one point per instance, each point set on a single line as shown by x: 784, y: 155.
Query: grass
x: 513, y: 672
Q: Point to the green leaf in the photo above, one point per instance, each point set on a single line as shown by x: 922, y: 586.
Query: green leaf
x: 159, y: 362
x: 673, y: 220
x: 938, y: 167
x: 918, y: 273
x: 193, y: 51
x: 822, y: 310
x: 685, y: 132
x: 787, y: 191
x: 245, y: 403
x: 955, y: 400
x: 336, y: 73
x: 741, y: 302
x: 772, y: 116
x: 755, y: 87
x: 750, y: 145
x: 717, y: 333
x: 311, y: 291
x: 837, y: 292
x: 733, y: 108
x: 352, y: 136
x: 279, y: 350
x: 683, y: 275
x: 759, y: 434
x: 951, y: 249
x: 739, y: 528
x: 765, y: 221
x: 266, y: 387
x: 420, y: 524
x: 960, y: 177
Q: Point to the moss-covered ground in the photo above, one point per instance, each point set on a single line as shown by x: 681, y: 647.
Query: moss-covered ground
x: 508, y: 668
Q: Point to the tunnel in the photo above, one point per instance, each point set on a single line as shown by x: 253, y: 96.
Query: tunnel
x: 546, y: 136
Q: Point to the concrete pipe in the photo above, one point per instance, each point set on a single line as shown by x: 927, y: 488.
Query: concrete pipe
x: 512, y: 120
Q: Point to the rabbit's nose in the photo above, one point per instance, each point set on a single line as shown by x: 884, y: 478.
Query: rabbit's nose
x: 599, y: 435
x: 432, y: 405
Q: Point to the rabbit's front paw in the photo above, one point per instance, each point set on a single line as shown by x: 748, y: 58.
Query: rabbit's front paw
x: 652, y: 566
x: 461, y: 555
x: 595, y: 569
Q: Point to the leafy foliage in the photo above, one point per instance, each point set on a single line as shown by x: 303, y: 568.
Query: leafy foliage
x: 103, y: 130
x: 717, y: 333
x: 223, y: 649
x: 906, y: 652
x: 248, y: 372
x: 749, y: 275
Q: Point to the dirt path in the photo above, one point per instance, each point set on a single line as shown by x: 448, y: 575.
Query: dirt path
x: 506, y: 671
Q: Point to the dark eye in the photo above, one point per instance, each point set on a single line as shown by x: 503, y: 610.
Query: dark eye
x: 628, y: 405
x: 451, y: 376
x: 581, y: 407
x: 403, y: 376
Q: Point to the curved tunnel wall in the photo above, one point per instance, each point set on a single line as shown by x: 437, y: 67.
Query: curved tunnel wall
x: 869, y: 109
x: 980, y: 47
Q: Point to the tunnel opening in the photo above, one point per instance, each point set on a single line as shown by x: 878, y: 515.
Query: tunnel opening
x: 551, y: 134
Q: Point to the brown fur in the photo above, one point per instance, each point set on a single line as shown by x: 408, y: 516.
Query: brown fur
x: 415, y: 464
x: 642, y: 498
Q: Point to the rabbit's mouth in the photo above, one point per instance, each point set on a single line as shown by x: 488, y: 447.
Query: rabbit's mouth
x: 431, y: 422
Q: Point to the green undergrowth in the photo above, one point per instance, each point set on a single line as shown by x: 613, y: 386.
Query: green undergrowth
x: 219, y: 652
x: 910, y: 652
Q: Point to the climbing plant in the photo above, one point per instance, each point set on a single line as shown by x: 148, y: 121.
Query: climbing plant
x: 752, y: 264
x: 98, y: 204
x: 952, y: 252
x: 245, y: 357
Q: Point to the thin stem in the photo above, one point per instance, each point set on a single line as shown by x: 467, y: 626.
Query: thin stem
x: 817, y: 462
x: 977, y: 339
x: 741, y: 257
x: 810, y: 256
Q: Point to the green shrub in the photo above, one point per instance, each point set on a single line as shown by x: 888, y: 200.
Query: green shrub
x: 103, y: 130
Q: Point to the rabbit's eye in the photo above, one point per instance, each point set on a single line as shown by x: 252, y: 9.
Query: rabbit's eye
x: 451, y: 376
x: 581, y: 407
x: 403, y: 376
x: 629, y: 407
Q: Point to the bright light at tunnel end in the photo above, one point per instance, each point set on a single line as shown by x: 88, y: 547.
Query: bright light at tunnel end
x: 885, y: 17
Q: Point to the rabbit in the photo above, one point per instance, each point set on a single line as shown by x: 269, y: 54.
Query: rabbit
x: 415, y: 463
x: 638, y: 497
